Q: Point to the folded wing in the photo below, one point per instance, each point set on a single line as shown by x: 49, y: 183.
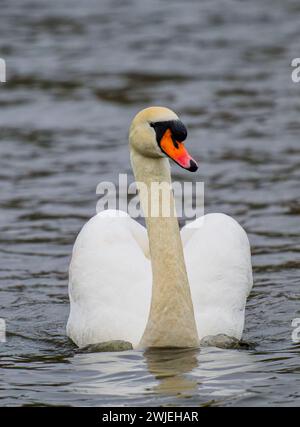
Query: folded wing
x: 218, y: 261
x: 109, y: 281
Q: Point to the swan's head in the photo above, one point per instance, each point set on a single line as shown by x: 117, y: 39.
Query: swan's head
x: 157, y: 132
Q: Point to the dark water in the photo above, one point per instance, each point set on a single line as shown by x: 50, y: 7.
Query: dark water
x: 77, y: 73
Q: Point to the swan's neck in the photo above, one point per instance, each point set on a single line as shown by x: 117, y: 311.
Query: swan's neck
x: 171, y: 321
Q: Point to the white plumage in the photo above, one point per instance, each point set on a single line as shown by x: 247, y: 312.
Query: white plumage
x: 218, y: 261
x: 110, y: 277
x: 109, y: 281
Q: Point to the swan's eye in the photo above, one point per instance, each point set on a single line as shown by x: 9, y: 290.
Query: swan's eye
x: 176, y: 127
x: 179, y: 131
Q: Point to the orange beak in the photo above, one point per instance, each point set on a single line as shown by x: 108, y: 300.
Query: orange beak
x: 177, y: 152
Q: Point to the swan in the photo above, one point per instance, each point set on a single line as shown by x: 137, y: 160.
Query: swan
x: 157, y: 286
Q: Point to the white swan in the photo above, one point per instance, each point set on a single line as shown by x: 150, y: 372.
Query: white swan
x: 200, y: 278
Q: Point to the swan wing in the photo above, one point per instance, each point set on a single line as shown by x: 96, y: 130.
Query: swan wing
x: 109, y: 281
x: 218, y: 261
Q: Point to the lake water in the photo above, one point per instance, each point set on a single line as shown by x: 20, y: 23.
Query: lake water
x: 77, y: 72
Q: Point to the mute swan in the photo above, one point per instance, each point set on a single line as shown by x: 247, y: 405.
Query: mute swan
x: 200, y: 278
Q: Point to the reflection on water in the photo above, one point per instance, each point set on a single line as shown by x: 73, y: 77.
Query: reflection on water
x: 203, y: 377
x: 171, y: 368
x: 77, y: 72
